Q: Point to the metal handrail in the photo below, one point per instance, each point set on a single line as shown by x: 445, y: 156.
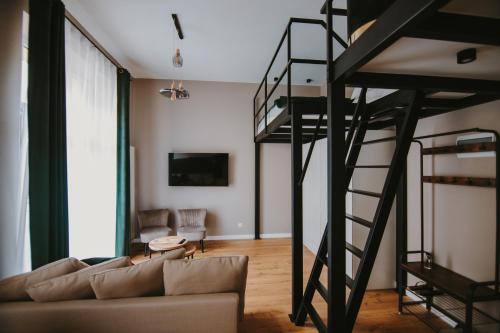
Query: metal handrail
x: 263, y: 83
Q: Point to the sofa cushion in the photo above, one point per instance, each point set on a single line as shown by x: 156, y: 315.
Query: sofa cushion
x: 206, y: 276
x: 144, y: 279
x: 74, y: 285
x: 14, y: 288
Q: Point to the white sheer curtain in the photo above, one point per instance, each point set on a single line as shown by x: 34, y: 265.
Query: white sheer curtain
x: 91, y: 144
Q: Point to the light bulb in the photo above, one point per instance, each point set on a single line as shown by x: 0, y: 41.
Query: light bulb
x: 177, y: 60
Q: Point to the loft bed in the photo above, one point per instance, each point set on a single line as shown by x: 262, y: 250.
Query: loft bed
x: 408, y: 46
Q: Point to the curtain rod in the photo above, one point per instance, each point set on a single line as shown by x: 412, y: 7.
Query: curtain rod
x: 94, y: 42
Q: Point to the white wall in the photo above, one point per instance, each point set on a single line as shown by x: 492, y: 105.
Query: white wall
x: 315, y: 201
x: 11, y: 14
x: 217, y: 118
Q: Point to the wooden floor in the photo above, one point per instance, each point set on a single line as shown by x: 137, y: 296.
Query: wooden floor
x: 269, y: 288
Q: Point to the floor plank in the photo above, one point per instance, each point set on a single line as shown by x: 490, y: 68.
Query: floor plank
x: 268, y: 293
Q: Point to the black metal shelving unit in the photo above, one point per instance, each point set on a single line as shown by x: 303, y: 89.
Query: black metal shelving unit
x: 336, y: 116
x: 452, y: 294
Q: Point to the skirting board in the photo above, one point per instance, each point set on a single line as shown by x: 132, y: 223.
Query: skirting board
x: 235, y: 237
x: 251, y: 236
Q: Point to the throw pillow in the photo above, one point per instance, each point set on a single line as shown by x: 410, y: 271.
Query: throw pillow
x: 14, y: 287
x: 74, y: 285
x: 207, y: 276
x: 144, y: 279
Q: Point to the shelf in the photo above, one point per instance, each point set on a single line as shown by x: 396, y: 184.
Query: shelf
x: 450, y: 282
x: 466, y: 181
x: 467, y: 148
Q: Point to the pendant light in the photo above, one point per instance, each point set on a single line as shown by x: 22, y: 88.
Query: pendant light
x: 174, y: 93
x: 177, y: 60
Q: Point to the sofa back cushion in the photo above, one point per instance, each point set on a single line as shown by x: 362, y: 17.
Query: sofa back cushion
x: 207, y: 276
x: 74, y: 285
x: 144, y: 279
x: 14, y: 288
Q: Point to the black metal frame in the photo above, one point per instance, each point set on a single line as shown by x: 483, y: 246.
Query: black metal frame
x: 416, y: 18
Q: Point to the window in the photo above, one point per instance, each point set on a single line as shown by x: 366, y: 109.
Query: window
x: 91, y: 109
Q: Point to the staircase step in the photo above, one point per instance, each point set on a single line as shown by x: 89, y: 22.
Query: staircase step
x: 367, y: 193
x: 359, y: 220
x: 348, y: 281
x: 323, y: 261
x: 354, y: 250
x: 368, y: 166
x: 321, y: 290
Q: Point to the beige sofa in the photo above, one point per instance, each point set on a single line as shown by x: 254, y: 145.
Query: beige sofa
x: 179, y: 314
x: 201, y: 295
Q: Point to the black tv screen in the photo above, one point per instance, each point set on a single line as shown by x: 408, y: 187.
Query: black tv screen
x: 197, y: 169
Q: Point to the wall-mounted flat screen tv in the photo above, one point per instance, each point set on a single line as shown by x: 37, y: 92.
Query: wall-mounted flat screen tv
x: 197, y: 169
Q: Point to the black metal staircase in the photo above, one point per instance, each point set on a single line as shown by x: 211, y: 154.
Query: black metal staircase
x: 363, y: 115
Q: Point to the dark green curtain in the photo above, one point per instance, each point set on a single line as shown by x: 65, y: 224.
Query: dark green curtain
x: 122, y: 246
x: 48, y: 189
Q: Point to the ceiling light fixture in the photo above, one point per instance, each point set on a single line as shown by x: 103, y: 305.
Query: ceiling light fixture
x: 177, y: 60
x: 174, y: 93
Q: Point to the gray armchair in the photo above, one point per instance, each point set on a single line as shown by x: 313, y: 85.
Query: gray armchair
x: 191, y: 225
x: 152, y: 224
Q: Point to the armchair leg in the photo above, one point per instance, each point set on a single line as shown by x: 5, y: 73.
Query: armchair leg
x: 145, y: 249
x: 202, y: 246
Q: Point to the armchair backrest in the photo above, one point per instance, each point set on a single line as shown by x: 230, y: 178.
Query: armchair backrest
x: 153, y: 218
x: 191, y: 217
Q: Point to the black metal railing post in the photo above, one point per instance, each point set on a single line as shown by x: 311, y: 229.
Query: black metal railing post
x: 257, y: 190
x: 296, y: 146
x: 336, y: 190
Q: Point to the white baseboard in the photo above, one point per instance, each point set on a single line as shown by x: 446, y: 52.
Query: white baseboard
x: 229, y: 237
x: 249, y: 236
x: 283, y: 235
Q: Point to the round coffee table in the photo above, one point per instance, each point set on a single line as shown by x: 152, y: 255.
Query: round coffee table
x: 190, y: 250
x: 164, y: 244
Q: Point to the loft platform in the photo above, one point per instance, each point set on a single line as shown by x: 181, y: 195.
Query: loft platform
x: 413, y: 45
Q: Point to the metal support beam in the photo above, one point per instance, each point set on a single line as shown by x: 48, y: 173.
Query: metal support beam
x: 425, y: 83
x: 459, y: 28
x: 336, y: 190
x: 296, y: 145
x: 401, y: 230
x: 257, y: 191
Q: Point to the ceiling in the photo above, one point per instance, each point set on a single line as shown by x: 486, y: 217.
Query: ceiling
x: 225, y: 40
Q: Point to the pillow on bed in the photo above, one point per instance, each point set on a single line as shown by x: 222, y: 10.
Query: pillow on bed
x: 14, y: 287
x: 74, y: 285
x: 144, y: 279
